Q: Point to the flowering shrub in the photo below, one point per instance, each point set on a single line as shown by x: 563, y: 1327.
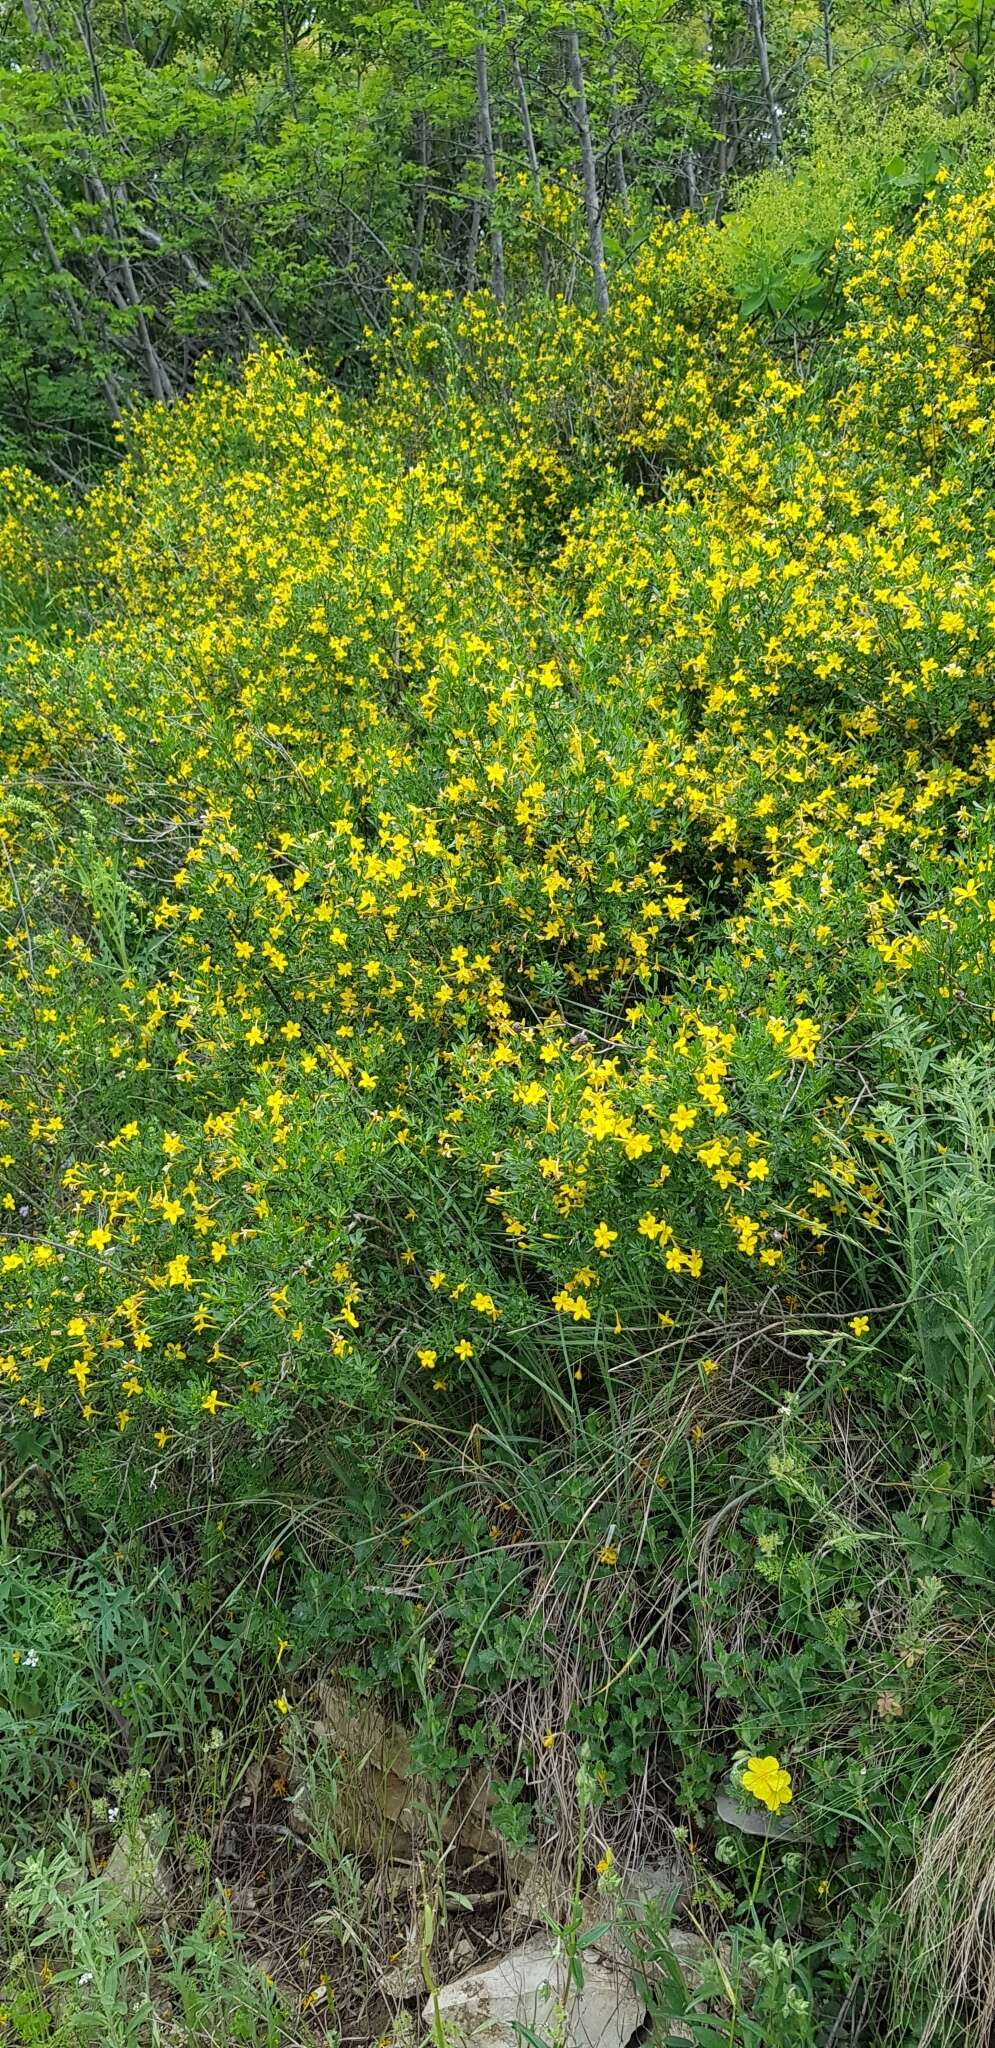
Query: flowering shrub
x: 460, y: 848
x: 496, y: 994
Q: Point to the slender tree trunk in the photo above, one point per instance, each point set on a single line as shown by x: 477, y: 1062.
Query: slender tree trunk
x: 31, y: 17
x: 160, y: 383
x: 65, y: 285
x: 621, y: 181
x: 288, y: 69
x: 617, y: 151
x: 691, y: 179
x: 592, y: 207
x: 528, y: 132
x: 528, y: 138
x: 125, y: 297
x: 827, y: 32
x: 421, y: 194
x: 723, y: 150
x: 728, y: 154
x: 490, y: 171
x: 472, y: 245
x: 473, y: 239
x: 755, y: 12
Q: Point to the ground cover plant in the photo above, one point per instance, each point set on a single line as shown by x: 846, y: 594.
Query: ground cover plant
x: 498, y: 902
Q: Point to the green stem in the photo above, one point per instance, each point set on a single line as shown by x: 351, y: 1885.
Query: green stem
x: 759, y: 1874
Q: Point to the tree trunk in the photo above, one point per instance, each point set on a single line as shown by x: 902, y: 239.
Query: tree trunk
x: 691, y: 180
x: 65, y: 285
x: 159, y: 380
x: 421, y: 195
x: 528, y: 138
x: 621, y: 181
x: 528, y: 132
x: 755, y: 11
x: 490, y: 171
x: 616, y: 142
x: 827, y: 33
x: 288, y: 69
x: 125, y: 296
x: 473, y: 238
x: 592, y: 207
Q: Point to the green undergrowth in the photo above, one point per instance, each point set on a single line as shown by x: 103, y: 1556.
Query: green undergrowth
x: 499, y: 1128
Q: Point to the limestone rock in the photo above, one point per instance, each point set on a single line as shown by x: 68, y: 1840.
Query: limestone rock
x: 653, y: 1884
x: 134, y: 1875
x: 532, y: 1986
x: 777, y: 1827
x: 382, y: 1804
x: 539, y: 1895
x: 375, y: 1796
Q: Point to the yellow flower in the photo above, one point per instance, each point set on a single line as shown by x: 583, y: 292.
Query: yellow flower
x: 768, y: 1782
x: 859, y: 1325
x: 576, y: 1305
x: 178, y: 1271
x: 604, y: 1863
x: 603, y: 1237
x: 609, y: 1555
x: 282, y: 1704
x: 212, y: 1402
x: 804, y: 1039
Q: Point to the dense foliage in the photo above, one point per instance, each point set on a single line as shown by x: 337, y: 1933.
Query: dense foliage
x: 181, y: 179
x: 497, y: 989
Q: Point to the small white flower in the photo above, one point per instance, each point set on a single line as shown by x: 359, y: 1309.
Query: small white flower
x: 87, y: 1977
x: 31, y: 1659
x: 112, y: 1812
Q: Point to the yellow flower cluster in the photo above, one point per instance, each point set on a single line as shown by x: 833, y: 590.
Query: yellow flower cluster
x: 460, y: 846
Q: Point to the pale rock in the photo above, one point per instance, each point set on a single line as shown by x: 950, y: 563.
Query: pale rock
x: 375, y: 1788
x: 540, y: 1897
x: 403, y: 1980
x: 653, y: 1884
x: 529, y: 1987
x: 616, y: 1919
x: 134, y: 1875
x: 777, y: 1827
x: 382, y: 1804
